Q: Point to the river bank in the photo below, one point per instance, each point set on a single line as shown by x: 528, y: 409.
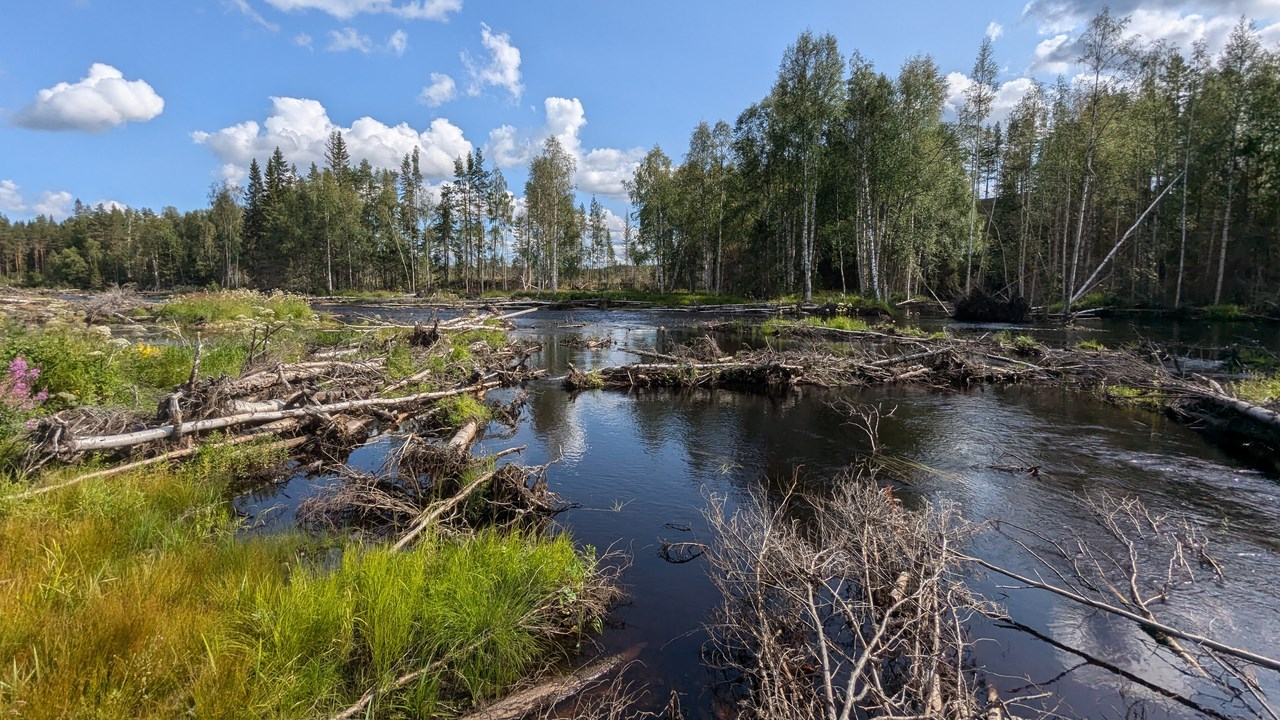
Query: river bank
x: 637, y: 468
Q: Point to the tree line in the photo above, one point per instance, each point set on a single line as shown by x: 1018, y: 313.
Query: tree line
x: 342, y: 227
x: 1152, y: 177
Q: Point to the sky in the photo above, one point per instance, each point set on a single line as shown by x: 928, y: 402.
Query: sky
x: 147, y: 103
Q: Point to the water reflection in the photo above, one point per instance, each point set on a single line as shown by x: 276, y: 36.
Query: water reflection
x: 642, y: 464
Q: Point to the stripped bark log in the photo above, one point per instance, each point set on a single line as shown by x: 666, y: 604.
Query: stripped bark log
x: 552, y: 692
x: 110, y: 442
x: 286, y: 444
x: 430, y: 516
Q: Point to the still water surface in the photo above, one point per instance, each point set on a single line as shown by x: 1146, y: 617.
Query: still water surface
x: 640, y: 466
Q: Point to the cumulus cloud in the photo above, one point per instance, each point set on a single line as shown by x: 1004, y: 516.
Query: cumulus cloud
x: 11, y: 198
x: 347, y: 9
x: 56, y: 205
x: 1054, y: 54
x: 244, y: 7
x: 600, y: 170
x: 111, y: 205
x: 441, y: 90
x: 101, y: 100
x: 349, y: 39
x: 502, y: 69
x: 1179, y: 22
x: 1006, y: 97
x: 300, y: 128
x: 994, y: 30
x: 398, y: 42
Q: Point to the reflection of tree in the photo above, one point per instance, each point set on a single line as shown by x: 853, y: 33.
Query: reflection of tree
x: 556, y: 420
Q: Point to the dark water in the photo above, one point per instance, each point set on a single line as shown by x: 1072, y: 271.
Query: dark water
x: 641, y: 467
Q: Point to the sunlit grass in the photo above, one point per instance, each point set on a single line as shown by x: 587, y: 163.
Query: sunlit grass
x: 224, y: 305
x: 136, y: 596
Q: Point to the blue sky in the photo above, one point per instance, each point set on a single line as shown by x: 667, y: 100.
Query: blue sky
x: 148, y: 102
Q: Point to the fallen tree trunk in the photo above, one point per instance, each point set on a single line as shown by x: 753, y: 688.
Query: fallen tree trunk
x: 287, y: 444
x: 110, y: 442
x: 552, y: 692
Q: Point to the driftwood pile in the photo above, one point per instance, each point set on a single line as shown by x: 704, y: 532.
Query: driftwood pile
x: 878, y: 358
x: 342, y: 393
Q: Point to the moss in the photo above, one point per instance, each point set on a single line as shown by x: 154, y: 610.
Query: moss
x: 1091, y: 345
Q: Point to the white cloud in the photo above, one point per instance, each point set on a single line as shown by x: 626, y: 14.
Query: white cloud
x: 300, y: 128
x: 349, y: 39
x: 600, y: 170
x: 1179, y: 22
x: 111, y: 205
x: 302, y: 40
x: 244, y: 7
x: 994, y: 30
x: 11, y: 198
x: 502, y: 69
x: 347, y: 9
x: 398, y: 42
x: 103, y: 99
x: 441, y: 90
x: 56, y: 205
x: 1053, y: 55
x: 1006, y: 97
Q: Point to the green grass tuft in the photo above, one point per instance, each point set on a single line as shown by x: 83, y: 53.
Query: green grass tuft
x: 226, y: 305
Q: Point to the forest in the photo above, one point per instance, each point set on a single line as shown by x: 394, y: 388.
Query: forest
x: 1150, y: 179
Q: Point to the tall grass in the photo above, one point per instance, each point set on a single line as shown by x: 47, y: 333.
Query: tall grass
x: 136, y: 596
x: 224, y: 305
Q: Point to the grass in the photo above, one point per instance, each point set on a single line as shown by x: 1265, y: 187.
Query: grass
x: 1132, y: 396
x: 1091, y: 345
x: 1261, y: 390
x: 839, y: 322
x: 98, y: 370
x: 228, y: 305
x: 461, y: 409
x: 1020, y: 344
x: 1224, y: 313
x: 136, y: 597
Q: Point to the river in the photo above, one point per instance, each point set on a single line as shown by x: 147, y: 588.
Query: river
x: 639, y: 468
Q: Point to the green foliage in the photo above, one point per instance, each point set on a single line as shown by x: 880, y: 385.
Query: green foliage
x: 1262, y: 390
x: 1091, y: 345
x: 1132, y: 396
x: 839, y: 322
x: 1020, y: 344
x: 70, y: 361
x: 135, y: 597
x: 400, y: 362
x: 494, y: 339
x: 1224, y: 313
x: 226, y: 305
x: 461, y: 409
